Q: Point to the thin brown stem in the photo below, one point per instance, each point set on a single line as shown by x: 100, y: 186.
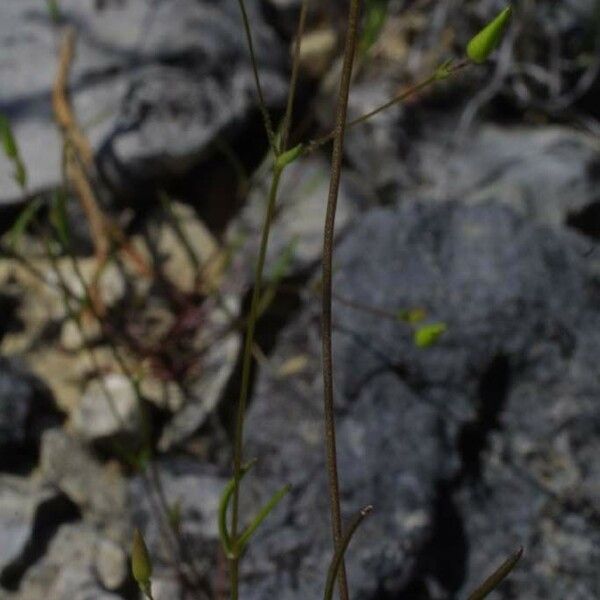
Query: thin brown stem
x: 339, y: 553
x: 329, y: 231
x: 238, y: 451
x: 287, y: 121
x: 501, y: 573
x: 261, y: 98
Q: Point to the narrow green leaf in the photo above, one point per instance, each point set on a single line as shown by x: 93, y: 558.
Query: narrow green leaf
x: 279, y: 270
x: 9, y: 143
x: 27, y: 215
x: 11, y: 150
x: 375, y: 16
x: 492, y: 582
x: 223, y: 507
x: 488, y: 39
x: 58, y: 217
x: 261, y: 516
x: 336, y: 562
x: 20, y: 174
x: 428, y: 335
x: 283, y: 264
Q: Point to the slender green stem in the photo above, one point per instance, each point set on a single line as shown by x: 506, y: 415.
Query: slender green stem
x: 234, y: 571
x: 238, y: 454
x: 329, y: 231
x: 413, y: 89
x: 287, y: 121
x: 261, y: 98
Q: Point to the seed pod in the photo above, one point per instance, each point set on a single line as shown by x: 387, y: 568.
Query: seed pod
x: 141, y: 565
x: 488, y: 39
x: 428, y: 335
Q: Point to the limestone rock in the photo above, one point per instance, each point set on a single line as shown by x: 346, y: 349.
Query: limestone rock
x: 108, y: 410
x: 153, y: 84
x: 99, y: 491
x: 69, y: 569
x: 26, y: 410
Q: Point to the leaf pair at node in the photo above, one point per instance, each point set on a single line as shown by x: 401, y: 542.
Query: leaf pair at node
x: 235, y: 547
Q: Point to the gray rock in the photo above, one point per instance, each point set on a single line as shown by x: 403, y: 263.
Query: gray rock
x: 69, y: 569
x: 512, y: 380
x: 539, y: 483
x: 296, y: 237
x: 374, y: 148
x: 154, y: 83
x: 390, y: 455
x: 112, y: 566
x: 99, y: 491
x: 20, y: 500
x: 219, y: 346
x: 25, y: 411
x: 467, y: 449
x: 546, y: 173
x: 192, y: 491
x: 109, y: 410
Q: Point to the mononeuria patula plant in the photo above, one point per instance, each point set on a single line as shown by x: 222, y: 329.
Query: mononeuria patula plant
x: 234, y: 543
x: 235, y: 538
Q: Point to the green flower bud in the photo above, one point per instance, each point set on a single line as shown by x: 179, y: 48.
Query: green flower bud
x: 488, y: 39
x: 141, y: 565
x: 428, y: 335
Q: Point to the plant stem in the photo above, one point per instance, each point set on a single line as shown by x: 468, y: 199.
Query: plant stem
x: 287, y: 121
x: 329, y: 231
x: 413, y: 89
x: 261, y: 98
x: 492, y: 582
x: 339, y: 553
x: 238, y: 455
x: 234, y: 569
